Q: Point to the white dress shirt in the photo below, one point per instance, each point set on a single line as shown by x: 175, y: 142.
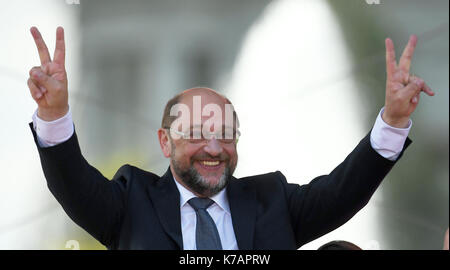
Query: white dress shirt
x: 219, y: 212
x: 384, y: 139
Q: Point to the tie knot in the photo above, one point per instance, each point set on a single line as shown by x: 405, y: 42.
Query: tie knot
x: 200, y: 203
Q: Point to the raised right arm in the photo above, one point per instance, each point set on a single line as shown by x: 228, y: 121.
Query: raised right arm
x: 91, y: 200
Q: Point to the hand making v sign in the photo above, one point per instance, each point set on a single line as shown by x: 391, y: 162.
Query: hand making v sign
x: 48, y: 82
x: 402, y: 88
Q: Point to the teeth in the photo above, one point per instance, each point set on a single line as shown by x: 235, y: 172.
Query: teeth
x: 210, y: 163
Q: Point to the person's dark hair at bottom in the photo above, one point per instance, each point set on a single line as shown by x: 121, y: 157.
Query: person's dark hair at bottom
x: 339, y: 245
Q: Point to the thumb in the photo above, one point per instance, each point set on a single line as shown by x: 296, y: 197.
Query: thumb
x: 413, y: 88
x: 44, y: 80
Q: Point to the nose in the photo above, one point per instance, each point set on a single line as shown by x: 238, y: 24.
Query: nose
x: 213, y: 147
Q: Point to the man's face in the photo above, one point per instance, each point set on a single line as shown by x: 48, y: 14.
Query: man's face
x: 203, y: 166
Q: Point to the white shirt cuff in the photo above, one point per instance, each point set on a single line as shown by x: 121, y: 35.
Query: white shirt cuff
x: 386, y: 140
x: 50, y: 133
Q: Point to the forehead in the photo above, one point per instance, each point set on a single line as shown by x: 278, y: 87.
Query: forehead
x: 197, y: 100
x: 208, y: 96
x: 203, y: 106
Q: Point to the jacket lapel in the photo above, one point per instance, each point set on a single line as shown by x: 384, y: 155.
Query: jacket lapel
x: 242, y: 201
x: 166, y: 199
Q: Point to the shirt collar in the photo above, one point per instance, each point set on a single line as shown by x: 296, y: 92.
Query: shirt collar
x: 220, y: 198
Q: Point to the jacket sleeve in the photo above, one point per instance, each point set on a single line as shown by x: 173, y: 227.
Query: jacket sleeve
x: 329, y: 201
x: 91, y: 200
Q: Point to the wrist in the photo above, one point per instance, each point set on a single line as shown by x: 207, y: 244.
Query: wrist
x: 402, y: 122
x: 52, y: 114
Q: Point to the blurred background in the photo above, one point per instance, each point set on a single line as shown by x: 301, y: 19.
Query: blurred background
x: 307, y: 78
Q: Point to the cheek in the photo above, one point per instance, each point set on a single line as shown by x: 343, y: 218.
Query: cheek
x: 183, y: 154
x: 232, y: 153
x: 235, y: 160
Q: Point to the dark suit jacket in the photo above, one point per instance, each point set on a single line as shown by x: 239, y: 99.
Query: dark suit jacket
x: 140, y: 210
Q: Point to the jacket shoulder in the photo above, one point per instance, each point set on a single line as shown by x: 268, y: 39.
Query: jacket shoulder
x: 266, y: 177
x: 268, y: 182
x: 127, y: 173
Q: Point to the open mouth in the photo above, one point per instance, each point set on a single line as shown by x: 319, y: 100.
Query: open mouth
x: 210, y: 165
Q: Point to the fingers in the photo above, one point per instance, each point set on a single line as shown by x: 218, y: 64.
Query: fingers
x: 414, y: 87
x: 40, y: 44
x: 391, y: 64
x: 34, y: 69
x: 416, y: 98
x: 428, y: 90
x: 42, y: 89
x: 425, y: 88
x: 405, y: 60
x: 42, y: 79
x: 34, y: 90
x: 60, y: 48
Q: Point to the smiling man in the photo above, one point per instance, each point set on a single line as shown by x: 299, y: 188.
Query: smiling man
x: 197, y: 203
x: 201, y: 164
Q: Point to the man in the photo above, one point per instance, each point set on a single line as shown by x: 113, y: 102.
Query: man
x: 197, y: 203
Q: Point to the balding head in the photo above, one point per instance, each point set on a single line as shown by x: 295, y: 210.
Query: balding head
x: 203, y: 92
x: 207, y: 95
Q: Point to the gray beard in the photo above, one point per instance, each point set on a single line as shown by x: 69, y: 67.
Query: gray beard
x: 196, y: 183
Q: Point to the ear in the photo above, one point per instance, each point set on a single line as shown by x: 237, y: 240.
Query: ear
x: 164, y: 142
